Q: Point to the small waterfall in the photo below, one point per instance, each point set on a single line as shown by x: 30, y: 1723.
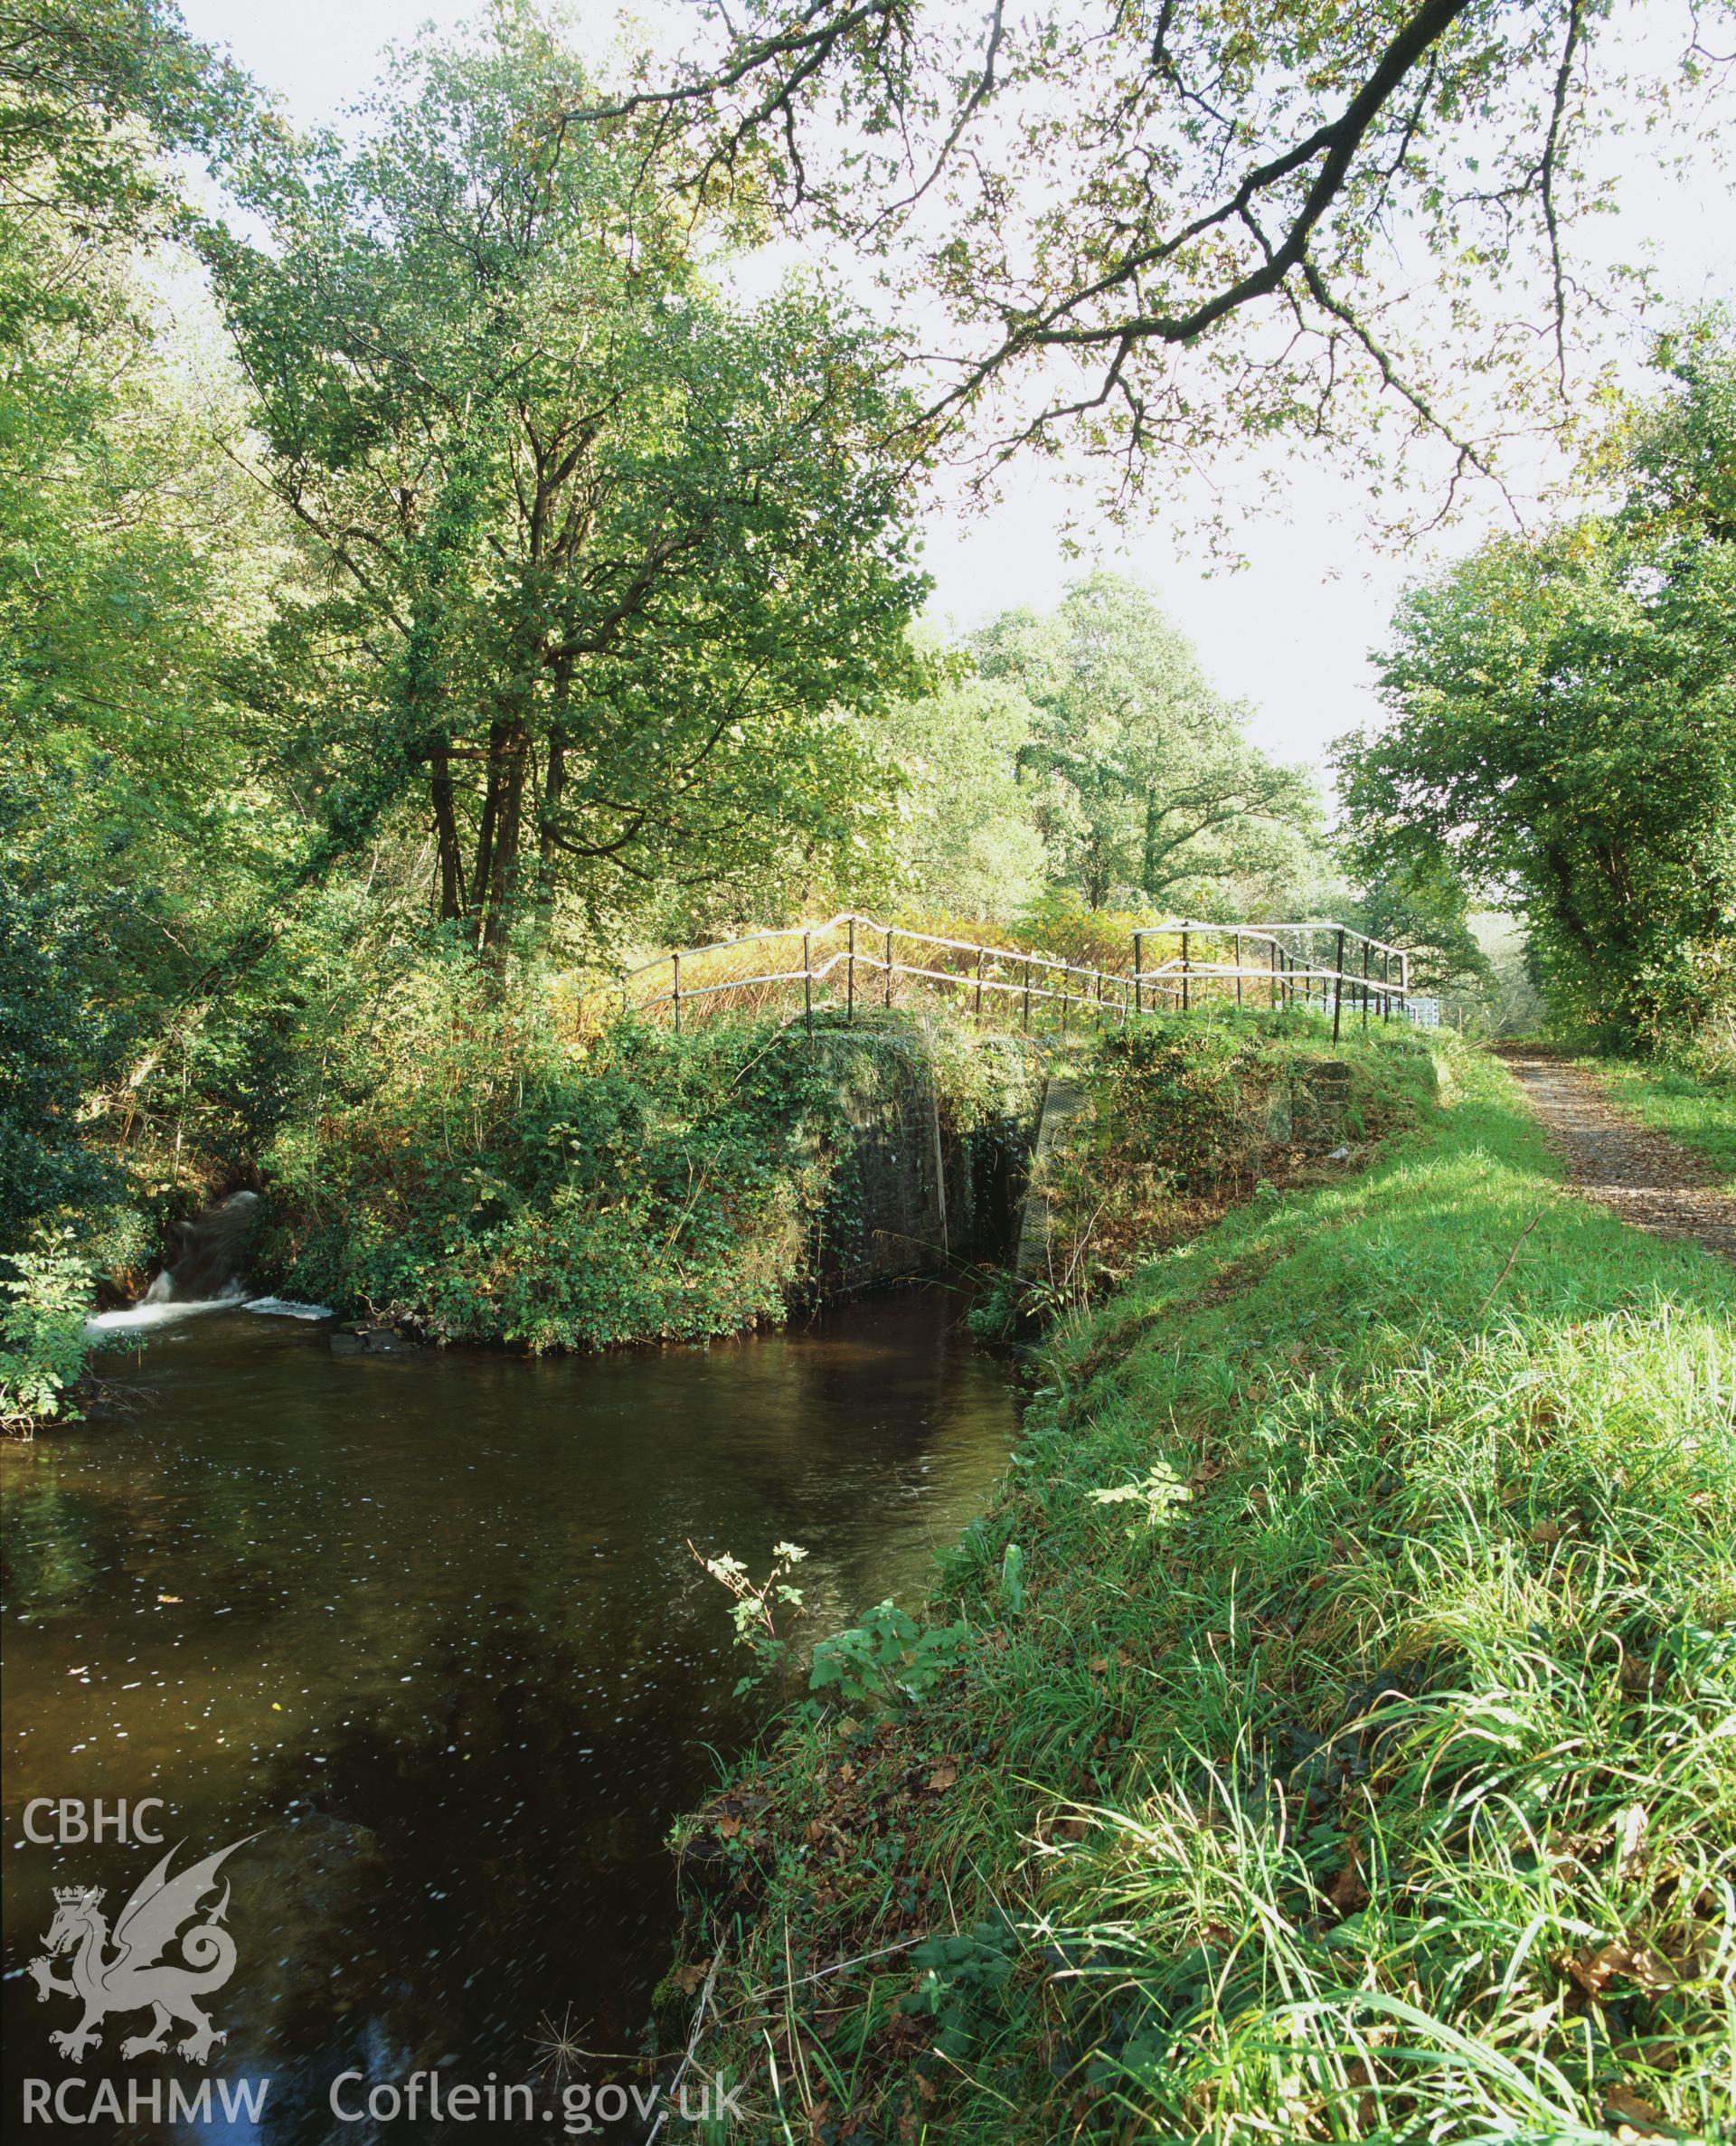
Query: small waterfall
x: 202, y: 1273
x: 204, y: 1262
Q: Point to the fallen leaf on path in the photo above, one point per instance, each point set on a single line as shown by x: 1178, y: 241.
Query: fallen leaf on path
x: 1636, y: 2118
x: 1348, y: 1892
x: 1646, y: 1968
x: 944, y: 1776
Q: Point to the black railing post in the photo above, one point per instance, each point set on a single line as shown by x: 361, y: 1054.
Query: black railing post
x: 808, y: 979
x: 1386, y: 979
x: 675, y: 959
x: 979, y: 983
x: 1027, y: 994
x: 1138, y: 972
x: 1237, y: 967
x: 1184, y: 997
x: 850, y: 976
x: 889, y: 965
x: 1338, y: 989
x: 1365, y: 983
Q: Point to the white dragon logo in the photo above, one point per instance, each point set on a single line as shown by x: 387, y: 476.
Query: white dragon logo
x: 136, y: 1977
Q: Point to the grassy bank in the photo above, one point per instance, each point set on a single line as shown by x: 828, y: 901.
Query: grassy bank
x: 1186, y: 1114
x: 1339, y: 1745
x: 1699, y: 1110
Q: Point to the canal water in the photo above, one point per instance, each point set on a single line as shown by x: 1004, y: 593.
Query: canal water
x: 424, y: 1633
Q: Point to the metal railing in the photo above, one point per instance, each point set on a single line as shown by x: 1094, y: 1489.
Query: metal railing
x: 1267, y: 965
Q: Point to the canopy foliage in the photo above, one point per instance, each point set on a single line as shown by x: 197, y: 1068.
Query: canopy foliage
x: 607, y: 570
x: 1153, y: 229
x: 1563, y: 726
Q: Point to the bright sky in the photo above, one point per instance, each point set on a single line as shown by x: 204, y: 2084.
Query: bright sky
x: 1291, y: 632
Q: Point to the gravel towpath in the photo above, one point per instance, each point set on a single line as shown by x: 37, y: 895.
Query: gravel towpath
x: 1647, y: 1177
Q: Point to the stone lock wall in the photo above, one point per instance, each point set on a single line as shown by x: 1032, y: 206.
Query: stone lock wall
x: 933, y: 1175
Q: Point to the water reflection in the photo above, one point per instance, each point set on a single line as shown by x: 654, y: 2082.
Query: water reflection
x: 427, y: 1627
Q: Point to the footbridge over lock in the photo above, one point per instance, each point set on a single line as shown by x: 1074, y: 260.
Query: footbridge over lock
x: 851, y: 963
x: 886, y: 1004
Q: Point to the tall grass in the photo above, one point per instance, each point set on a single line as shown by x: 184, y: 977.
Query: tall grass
x: 1356, y: 1754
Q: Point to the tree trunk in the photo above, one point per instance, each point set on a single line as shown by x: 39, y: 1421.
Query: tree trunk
x: 555, y: 783
x: 442, y: 545
x: 445, y: 834
x: 500, y: 837
x: 485, y: 826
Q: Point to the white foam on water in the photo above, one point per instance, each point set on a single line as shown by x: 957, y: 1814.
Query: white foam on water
x: 146, y: 1317
x: 287, y: 1308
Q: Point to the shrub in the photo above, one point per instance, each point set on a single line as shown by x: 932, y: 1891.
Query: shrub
x: 478, y: 1179
x: 1186, y: 1114
x: 42, y: 1336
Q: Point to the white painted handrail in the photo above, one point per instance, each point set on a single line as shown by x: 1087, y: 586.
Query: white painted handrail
x: 1107, y: 992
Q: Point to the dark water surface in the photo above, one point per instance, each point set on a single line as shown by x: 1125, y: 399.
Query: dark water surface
x: 426, y: 1628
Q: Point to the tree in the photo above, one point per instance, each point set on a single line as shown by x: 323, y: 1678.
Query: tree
x: 133, y: 569
x: 611, y: 571
x: 54, y: 1045
x: 92, y: 93
x: 1563, y: 729
x: 968, y: 843
x: 1426, y: 911
x: 1140, y: 780
x: 1160, y: 226
x: 102, y: 585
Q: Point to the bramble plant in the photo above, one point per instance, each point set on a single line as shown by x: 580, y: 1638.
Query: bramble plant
x: 887, y: 1661
x: 1158, y: 1492
x: 964, y: 1980
x: 755, y: 1605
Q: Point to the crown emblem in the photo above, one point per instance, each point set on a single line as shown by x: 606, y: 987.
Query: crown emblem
x: 79, y: 1895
